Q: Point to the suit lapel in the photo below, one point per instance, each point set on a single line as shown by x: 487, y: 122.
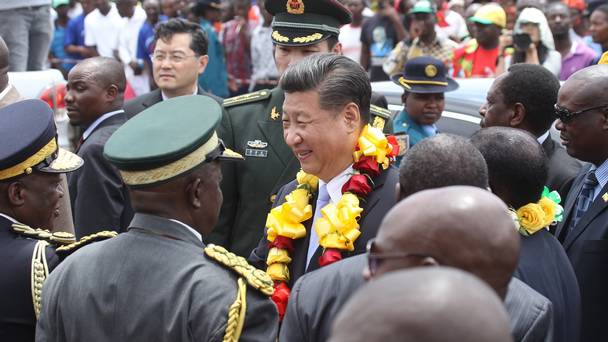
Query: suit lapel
x: 153, y: 98
x: 570, y: 201
x: 595, y: 209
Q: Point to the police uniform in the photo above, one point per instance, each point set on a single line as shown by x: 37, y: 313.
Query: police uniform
x: 29, y: 145
x: 158, y: 281
x: 253, y: 127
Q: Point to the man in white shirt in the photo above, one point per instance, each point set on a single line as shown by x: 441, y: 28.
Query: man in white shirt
x: 133, y: 17
x: 101, y: 30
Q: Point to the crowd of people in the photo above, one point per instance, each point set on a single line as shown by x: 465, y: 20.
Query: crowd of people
x: 236, y: 178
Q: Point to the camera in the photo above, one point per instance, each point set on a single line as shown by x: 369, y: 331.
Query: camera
x: 522, y: 41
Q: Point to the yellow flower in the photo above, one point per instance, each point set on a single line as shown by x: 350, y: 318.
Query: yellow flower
x: 308, y: 179
x: 278, y: 272
x: 548, y: 207
x: 531, y: 217
x: 285, y: 220
x: 338, y: 227
x: 277, y: 255
x: 372, y: 142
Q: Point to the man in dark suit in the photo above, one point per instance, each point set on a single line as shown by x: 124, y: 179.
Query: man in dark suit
x: 253, y: 124
x: 518, y: 169
x: 523, y: 98
x: 439, y: 161
x: 322, y: 123
x: 180, y: 56
x: 31, y: 165
x: 582, y: 111
x: 94, y: 101
x: 158, y: 281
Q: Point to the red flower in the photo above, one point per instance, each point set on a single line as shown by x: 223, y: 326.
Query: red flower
x: 358, y: 185
x: 280, y: 298
x: 282, y: 242
x: 393, y: 141
x: 368, y: 165
x: 329, y: 256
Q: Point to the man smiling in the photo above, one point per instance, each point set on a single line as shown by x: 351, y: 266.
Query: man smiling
x: 94, y: 102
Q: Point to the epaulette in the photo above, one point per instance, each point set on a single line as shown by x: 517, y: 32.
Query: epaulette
x: 85, y: 240
x: 256, y: 278
x: 380, y: 116
x: 247, y: 98
x: 57, y: 238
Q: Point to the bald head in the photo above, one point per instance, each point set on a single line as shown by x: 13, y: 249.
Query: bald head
x: 3, y: 64
x: 595, y: 81
x: 516, y: 163
x: 460, y: 226
x: 442, y: 160
x: 104, y: 71
x: 423, y: 305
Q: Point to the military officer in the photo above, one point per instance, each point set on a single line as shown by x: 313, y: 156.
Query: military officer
x: 253, y: 125
x: 31, y: 164
x: 158, y: 281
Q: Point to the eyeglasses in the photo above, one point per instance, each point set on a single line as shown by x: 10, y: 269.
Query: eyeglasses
x: 564, y: 115
x: 373, y: 258
x: 173, y: 58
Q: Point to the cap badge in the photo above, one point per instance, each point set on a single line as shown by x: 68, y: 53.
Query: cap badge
x: 295, y: 6
x: 430, y: 70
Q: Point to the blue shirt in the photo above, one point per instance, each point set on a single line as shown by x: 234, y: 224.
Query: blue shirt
x: 601, y: 173
x: 57, y: 47
x: 74, y: 34
x: 215, y: 77
x: 145, y: 42
x: 415, y: 131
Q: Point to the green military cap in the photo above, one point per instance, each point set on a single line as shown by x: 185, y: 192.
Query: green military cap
x: 306, y: 22
x: 167, y: 140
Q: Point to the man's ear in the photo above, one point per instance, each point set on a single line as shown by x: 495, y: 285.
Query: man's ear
x: 112, y: 92
x: 16, y: 194
x: 398, y: 192
x: 194, y: 193
x: 605, y: 122
x: 519, y: 115
x: 202, y: 63
x: 337, y: 49
x: 352, y: 116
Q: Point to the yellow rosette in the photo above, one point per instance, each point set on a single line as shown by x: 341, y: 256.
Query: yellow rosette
x: 285, y: 220
x: 304, y: 178
x: 372, y: 142
x: 531, y: 217
x: 278, y: 272
x: 549, y: 208
x: 338, y: 227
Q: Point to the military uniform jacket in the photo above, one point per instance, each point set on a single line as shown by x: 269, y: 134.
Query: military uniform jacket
x: 587, y: 248
x: 17, y: 317
x: 375, y: 206
x: 317, y: 297
x: 254, y: 128
x: 100, y: 200
x: 152, y: 283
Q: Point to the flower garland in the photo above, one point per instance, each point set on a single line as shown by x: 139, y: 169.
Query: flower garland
x: 338, y: 226
x: 532, y: 217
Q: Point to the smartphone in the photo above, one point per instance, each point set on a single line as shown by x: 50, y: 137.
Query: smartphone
x: 522, y: 41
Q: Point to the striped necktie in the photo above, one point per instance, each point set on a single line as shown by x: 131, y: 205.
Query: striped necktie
x: 585, y: 198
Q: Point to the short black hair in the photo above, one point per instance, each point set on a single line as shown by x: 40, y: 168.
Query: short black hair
x: 338, y: 80
x: 536, y: 88
x: 516, y: 163
x: 332, y: 40
x: 166, y: 30
x: 439, y: 161
x: 602, y: 8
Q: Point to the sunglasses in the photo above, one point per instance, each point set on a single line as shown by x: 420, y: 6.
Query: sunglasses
x: 565, y: 115
x: 374, y: 258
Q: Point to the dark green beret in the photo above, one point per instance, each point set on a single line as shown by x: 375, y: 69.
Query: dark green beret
x: 167, y: 140
x: 306, y: 22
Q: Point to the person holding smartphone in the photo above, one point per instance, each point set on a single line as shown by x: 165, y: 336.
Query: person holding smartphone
x: 530, y: 42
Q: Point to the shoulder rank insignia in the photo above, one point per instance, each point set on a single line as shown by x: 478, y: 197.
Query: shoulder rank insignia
x: 380, y: 116
x: 247, y: 98
x: 257, y: 279
x: 85, y: 240
x: 274, y: 114
x: 56, y: 238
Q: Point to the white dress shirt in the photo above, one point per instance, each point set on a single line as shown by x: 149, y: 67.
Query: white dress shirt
x: 97, y: 122
x: 197, y: 234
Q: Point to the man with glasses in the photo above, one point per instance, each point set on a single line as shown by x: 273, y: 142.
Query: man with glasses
x: 180, y: 56
x: 422, y: 237
x: 582, y: 110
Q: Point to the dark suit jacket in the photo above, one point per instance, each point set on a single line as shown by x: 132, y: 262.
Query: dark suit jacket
x: 375, y: 206
x: 17, y: 318
x: 561, y: 167
x: 318, y: 296
x: 545, y: 267
x: 100, y: 200
x: 152, y: 283
x: 587, y: 248
x: 138, y: 104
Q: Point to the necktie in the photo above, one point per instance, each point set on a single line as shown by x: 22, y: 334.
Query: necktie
x: 322, y: 201
x: 585, y: 198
